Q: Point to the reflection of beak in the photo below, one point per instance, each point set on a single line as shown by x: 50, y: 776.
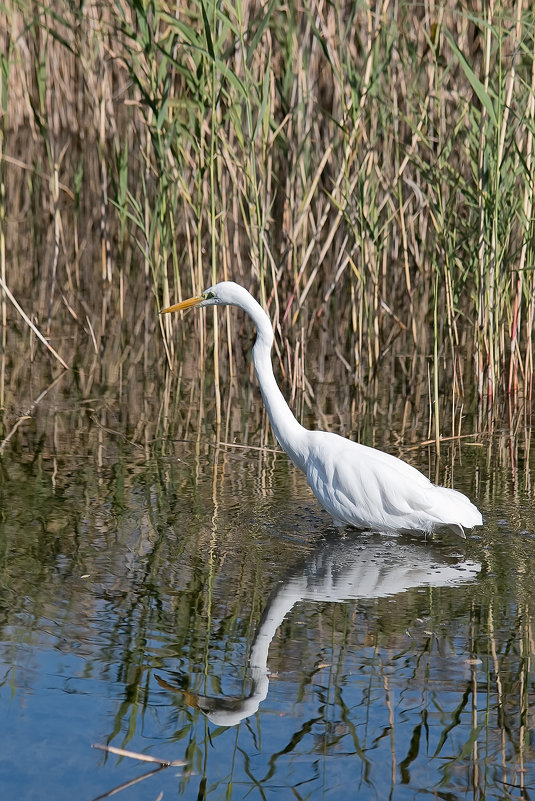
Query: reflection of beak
x: 215, y: 708
x: 190, y: 698
x: 186, y: 304
x: 218, y: 710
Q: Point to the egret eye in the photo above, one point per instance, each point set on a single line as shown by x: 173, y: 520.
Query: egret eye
x: 208, y: 295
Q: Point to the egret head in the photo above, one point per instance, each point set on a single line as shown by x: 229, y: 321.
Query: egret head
x: 226, y: 293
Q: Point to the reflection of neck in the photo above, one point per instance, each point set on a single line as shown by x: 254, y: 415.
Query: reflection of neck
x: 274, y: 613
x: 230, y: 711
x: 336, y: 571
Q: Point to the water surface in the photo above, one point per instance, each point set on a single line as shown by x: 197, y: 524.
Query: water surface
x: 194, y: 603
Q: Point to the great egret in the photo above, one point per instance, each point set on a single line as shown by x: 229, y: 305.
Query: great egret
x: 358, y: 485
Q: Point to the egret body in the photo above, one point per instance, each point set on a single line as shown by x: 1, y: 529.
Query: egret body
x: 358, y: 485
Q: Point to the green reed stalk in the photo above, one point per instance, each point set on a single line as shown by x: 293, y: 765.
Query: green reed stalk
x: 249, y: 138
x: 4, y: 88
x: 212, y: 167
x: 527, y: 243
x: 436, y: 331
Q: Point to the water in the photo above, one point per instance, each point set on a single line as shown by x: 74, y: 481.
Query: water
x: 194, y: 603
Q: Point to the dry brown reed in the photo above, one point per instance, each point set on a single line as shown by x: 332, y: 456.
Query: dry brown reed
x: 366, y: 170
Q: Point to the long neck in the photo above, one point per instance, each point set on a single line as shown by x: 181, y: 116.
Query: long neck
x: 290, y: 434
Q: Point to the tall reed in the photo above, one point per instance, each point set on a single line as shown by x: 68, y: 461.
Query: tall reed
x: 365, y: 170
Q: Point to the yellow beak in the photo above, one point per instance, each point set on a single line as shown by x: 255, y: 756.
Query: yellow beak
x: 186, y: 304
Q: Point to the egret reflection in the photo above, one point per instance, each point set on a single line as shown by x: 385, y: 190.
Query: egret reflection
x: 338, y: 570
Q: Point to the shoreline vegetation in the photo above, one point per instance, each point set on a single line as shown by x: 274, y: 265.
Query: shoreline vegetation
x: 365, y: 170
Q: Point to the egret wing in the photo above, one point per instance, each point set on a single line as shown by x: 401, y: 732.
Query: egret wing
x: 364, y: 486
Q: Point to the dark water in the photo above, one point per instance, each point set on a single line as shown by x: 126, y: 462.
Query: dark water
x: 198, y: 606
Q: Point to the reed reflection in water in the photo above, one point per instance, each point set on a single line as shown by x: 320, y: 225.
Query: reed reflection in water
x: 339, y: 569
x: 119, y: 568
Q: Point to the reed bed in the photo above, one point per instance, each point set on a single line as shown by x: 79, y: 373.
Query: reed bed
x: 365, y: 169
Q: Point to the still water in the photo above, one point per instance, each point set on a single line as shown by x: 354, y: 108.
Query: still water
x: 195, y: 604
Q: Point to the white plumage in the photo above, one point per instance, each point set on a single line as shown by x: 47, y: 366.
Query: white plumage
x: 357, y: 485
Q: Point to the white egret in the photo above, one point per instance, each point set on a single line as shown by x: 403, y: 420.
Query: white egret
x: 358, y: 485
